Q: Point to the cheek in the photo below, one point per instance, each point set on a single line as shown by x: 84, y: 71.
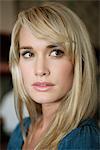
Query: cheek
x: 25, y: 71
x: 64, y: 75
x: 66, y: 72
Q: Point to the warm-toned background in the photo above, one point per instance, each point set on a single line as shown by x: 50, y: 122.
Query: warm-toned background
x: 87, y: 10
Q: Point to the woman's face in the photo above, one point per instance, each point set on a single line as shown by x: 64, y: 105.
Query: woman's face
x: 47, y: 72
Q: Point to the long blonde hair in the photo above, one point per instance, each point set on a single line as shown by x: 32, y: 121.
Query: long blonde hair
x: 57, y: 23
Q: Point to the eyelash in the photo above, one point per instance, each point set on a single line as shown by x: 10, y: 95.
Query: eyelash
x: 53, y: 53
x: 60, y: 52
x: 25, y: 53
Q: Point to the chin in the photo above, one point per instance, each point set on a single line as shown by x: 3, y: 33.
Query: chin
x: 43, y: 100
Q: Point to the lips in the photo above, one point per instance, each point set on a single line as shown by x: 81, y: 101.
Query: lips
x: 42, y: 86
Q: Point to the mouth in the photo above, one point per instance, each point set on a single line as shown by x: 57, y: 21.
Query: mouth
x: 42, y: 86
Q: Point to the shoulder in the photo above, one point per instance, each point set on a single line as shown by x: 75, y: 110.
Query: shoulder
x: 85, y: 137
x: 16, y: 140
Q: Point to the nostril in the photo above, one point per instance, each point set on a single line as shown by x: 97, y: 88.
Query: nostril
x: 42, y: 73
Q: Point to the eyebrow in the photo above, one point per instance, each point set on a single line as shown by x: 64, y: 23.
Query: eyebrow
x: 25, y: 47
x: 52, y: 46
x: 30, y: 47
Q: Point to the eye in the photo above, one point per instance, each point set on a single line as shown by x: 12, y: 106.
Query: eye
x: 57, y: 53
x: 27, y: 54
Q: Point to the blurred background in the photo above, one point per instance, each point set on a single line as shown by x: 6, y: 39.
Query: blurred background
x: 87, y: 10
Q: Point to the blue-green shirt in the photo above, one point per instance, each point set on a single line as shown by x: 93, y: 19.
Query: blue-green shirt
x: 85, y: 137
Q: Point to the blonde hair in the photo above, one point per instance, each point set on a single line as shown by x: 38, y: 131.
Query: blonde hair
x: 57, y: 23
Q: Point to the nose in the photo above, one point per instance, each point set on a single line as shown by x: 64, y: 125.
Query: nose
x: 41, y: 67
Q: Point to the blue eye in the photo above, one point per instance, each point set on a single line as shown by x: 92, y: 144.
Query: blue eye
x: 57, y: 53
x: 27, y: 54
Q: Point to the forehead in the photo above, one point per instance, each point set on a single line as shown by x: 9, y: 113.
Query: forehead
x: 27, y: 38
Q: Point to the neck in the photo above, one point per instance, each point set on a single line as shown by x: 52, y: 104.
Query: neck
x: 48, y: 111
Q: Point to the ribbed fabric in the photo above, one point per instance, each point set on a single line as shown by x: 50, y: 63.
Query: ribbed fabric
x: 85, y: 137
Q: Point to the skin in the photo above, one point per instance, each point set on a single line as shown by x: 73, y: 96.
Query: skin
x: 40, y: 62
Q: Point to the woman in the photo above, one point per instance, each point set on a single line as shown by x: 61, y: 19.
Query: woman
x: 54, y: 74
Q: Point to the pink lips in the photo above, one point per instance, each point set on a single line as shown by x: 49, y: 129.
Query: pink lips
x: 42, y: 86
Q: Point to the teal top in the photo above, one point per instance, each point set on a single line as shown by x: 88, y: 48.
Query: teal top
x: 85, y: 137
